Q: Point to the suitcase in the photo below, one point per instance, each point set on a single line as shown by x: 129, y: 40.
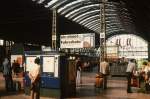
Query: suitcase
x: 134, y: 82
x: 99, y: 81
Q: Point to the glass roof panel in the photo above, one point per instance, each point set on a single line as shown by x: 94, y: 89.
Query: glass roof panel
x: 51, y: 3
x: 89, y: 18
x: 59, y: 4
x: 69, y: 5
x: 80, y: 9
x: 82, y: 16
x: 93, y: 25
x: 93, y: 22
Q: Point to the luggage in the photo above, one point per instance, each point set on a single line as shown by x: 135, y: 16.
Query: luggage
x: 99, y: 81
x: 134, y: 81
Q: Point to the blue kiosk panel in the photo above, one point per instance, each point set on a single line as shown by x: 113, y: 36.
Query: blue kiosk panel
x: 50, y: 82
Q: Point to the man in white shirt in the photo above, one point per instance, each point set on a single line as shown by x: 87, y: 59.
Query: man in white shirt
x: 34, y: 75
x: 130, y: 71
x: 104, y: 69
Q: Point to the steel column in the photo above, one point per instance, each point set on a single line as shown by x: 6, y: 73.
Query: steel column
x: 54, y: 25
x: 102, y: 31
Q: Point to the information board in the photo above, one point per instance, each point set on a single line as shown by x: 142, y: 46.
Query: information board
x: 49, y: 64
x: 30, y: 63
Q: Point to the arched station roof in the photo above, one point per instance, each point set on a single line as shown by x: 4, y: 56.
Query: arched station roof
x: 87, y: 13
x: 31, y: 20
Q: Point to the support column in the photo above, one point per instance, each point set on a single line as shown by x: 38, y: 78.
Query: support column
x: 102, y: 31
x: 54, y: 25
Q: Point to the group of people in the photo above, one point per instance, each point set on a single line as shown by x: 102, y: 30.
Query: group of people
x: 8, y: 71
x: 143, y: 74
x: 131, y: 71
x: 34, y: 75
x: 104, y: 69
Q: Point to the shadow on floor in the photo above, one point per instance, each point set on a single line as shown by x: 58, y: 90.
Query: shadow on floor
x: 10, y: 93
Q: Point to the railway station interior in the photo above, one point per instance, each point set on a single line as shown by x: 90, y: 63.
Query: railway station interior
x: 60, y: 33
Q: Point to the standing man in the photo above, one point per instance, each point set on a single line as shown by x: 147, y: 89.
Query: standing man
x: 104, y: 69
x: 34, y: 75
x: 130, y: 70
x: 78, y: 69
x: 15, y: 67
x: 7, y: 73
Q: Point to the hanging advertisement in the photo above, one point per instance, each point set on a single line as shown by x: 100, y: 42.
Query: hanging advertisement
x: 77, y: 40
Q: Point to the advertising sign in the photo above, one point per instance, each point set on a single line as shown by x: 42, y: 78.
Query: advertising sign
x: 17, y: 58
x: 48, y: 64
x: 77, y: 40
x: 30, y: 63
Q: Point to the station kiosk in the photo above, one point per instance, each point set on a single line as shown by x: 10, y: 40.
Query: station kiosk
x: 56, y: 71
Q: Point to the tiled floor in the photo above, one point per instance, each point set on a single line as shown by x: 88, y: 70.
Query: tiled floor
x: 116, y: 90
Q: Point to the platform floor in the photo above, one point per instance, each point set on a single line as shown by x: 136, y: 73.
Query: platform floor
x: 116, y: 90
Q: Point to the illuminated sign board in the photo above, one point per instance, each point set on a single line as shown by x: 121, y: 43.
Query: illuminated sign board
x: 77, y: 40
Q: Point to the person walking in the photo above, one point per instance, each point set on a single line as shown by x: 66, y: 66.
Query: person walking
x: 7, y: 73
x: 34, y: 75
x: 130, y: 71
x: 104, y: 69
x: 78, y: 70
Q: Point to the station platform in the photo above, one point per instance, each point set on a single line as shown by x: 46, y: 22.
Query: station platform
x: 116, y: 90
